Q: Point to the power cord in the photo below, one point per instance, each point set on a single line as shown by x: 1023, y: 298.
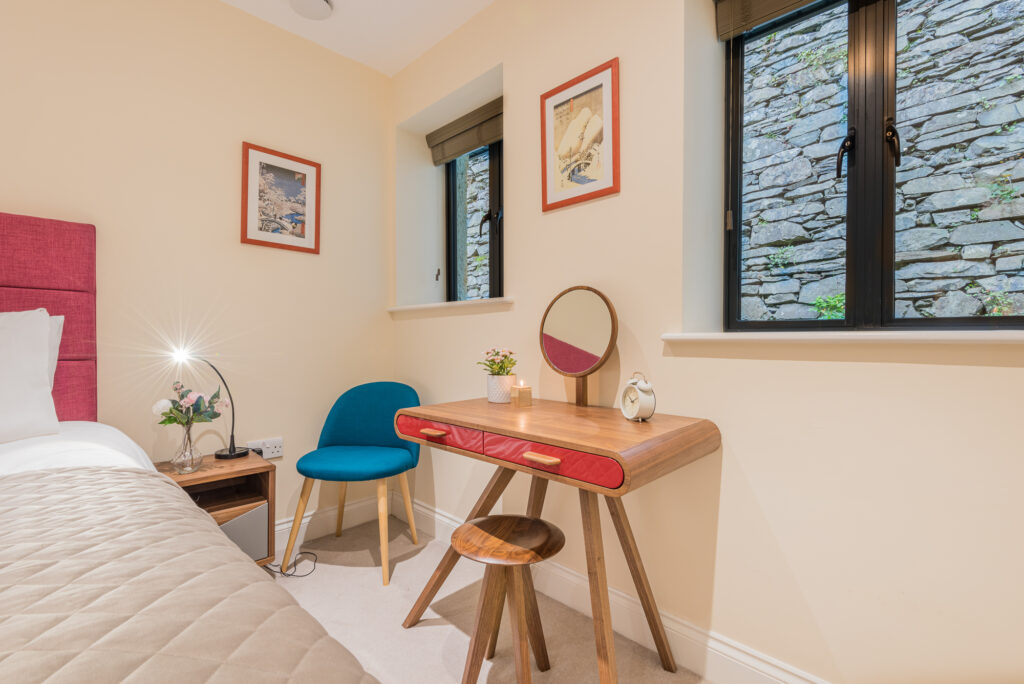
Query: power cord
x: 276, y: 567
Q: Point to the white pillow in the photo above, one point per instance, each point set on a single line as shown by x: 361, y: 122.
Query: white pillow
x: 26, y: 405
x: 56, y: 332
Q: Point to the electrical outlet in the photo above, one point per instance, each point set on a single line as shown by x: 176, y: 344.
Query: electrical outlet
x: 273, y: 447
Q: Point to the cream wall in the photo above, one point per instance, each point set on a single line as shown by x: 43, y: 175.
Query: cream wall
x: 130, y: 114
x: 861, y: 520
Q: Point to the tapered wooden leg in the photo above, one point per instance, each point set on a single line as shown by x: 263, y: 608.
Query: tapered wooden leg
x: 341, y: 507
x: 598, y: 577
x: 643, y: 586
x: 491, y: 593
x: 492, y: 643
x: 483, y: 506
x: 515, y: 590
x: 403, y: 481
x: 382, y: 519
x: 307, y: 487
x: 533, y: 624
x: 534, y: 508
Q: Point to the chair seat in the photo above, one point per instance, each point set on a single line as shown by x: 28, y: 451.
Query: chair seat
x: 507, y: 540
x: 355, y: 463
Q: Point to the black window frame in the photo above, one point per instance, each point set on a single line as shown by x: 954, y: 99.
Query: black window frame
x: 494, y: 218
x: 871, y: 181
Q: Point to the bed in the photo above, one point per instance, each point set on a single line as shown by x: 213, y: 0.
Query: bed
x: 108, y: 571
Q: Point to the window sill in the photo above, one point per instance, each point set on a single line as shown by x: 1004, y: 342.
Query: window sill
x: 437, y: 309
x: 900, y: 337
x: 990, y: 348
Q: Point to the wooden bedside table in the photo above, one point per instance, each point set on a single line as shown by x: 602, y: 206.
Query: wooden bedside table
x: 239, y: 494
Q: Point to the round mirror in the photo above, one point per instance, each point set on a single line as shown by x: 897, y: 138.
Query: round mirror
x: 578, y: 331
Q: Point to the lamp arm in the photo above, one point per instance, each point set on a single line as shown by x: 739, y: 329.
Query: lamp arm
x: 231, y: 446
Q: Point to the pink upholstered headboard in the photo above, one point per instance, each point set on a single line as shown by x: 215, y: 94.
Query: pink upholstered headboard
x: 52, y: 265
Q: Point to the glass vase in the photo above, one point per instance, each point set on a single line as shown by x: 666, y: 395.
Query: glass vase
x: 499, y: 388
x: 187, y: 458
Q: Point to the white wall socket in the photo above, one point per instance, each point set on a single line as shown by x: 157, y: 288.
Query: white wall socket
x: 272, y: 447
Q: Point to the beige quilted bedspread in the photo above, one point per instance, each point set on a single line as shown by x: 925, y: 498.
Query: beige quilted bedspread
x: 115, y: 575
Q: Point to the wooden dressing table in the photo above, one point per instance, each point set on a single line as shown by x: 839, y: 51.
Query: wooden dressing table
x: 588, y: 447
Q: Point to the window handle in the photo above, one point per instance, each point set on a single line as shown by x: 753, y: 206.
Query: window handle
x: 844, y: 147
x: 485, y: 219
x: 892, y: 136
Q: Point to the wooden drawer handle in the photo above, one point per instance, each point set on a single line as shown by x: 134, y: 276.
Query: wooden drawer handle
x: 541, y: 458
x: 431, y: 432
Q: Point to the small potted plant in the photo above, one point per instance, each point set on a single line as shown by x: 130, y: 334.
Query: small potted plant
x: 187, y: 409
x: 499, y: 364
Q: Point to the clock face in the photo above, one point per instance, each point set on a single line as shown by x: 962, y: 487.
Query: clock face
x: 630, y: 402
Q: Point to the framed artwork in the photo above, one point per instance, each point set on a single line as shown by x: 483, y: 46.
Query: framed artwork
x: 280, y: 200
x: 579, y: 138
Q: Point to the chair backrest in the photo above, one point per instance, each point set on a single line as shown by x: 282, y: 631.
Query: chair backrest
x: 365, y: 415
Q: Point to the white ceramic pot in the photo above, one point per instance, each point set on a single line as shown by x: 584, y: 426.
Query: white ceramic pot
x: 499, y: 388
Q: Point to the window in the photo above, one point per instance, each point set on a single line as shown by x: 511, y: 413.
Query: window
x: 474, y: 223
x: 876, y: 167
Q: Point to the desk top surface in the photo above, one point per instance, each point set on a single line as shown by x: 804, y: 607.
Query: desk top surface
x: 646, y: 450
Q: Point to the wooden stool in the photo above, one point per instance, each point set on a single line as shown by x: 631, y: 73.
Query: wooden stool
x: 507, y: 545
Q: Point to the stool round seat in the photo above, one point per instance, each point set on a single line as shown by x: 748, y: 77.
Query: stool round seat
x: 507, y: 540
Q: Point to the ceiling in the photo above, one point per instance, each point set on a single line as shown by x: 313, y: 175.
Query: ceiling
x: 386, y: 35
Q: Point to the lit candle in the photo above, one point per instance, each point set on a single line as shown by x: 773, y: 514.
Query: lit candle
x: 522, y: 395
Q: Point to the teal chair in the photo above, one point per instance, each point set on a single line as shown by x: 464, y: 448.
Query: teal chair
x: 359, y: 443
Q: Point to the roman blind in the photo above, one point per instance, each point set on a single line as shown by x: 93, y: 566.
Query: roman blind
x: 739, y: 16
x: 478, y: 128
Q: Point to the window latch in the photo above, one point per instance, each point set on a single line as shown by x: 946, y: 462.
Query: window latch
x: 496, y: 215
x: 845, y: 147
x: 892, y: 136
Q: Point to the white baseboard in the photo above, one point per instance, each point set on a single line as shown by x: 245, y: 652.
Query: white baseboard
x: 717, y: 658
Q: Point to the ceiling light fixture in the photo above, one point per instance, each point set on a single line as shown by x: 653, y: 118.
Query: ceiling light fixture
x: 313, y: 9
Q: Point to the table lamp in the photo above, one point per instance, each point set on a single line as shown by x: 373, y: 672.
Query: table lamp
x: 182, y: 356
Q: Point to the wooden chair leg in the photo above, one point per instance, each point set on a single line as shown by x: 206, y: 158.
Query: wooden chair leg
x: 307, y: 487
x: 341, y: 507
x: 403, y: 481
x: 516, y: 593
x: 486, y: 612
x: 382, y: 519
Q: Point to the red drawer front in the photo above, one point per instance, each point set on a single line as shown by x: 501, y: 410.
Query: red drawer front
x: 454, y: 436
x: 578, y: 465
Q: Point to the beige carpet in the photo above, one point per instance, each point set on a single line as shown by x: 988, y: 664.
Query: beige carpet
x: 346, y: 595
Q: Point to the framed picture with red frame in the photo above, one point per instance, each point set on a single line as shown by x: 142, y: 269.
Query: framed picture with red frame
x: 579, y: 138
x: 280, y: 200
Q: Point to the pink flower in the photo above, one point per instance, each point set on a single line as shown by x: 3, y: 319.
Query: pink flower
x: 222, y: 405
x: 177, y: 387
x: 192, y: 398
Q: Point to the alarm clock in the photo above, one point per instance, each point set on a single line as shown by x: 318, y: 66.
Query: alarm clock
x: 637, y: 399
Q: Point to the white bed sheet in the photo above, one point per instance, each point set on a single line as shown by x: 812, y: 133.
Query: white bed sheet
x: 78, y: 444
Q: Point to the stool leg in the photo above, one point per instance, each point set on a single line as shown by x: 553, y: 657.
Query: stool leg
x: 486, y: 612
x: 533, y: 625
x: 516, y: 593
x: 307, y: 487
x: 341, y: 507
x: 493, y: 642
x: 534, y: 507
x: 382, y: 520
